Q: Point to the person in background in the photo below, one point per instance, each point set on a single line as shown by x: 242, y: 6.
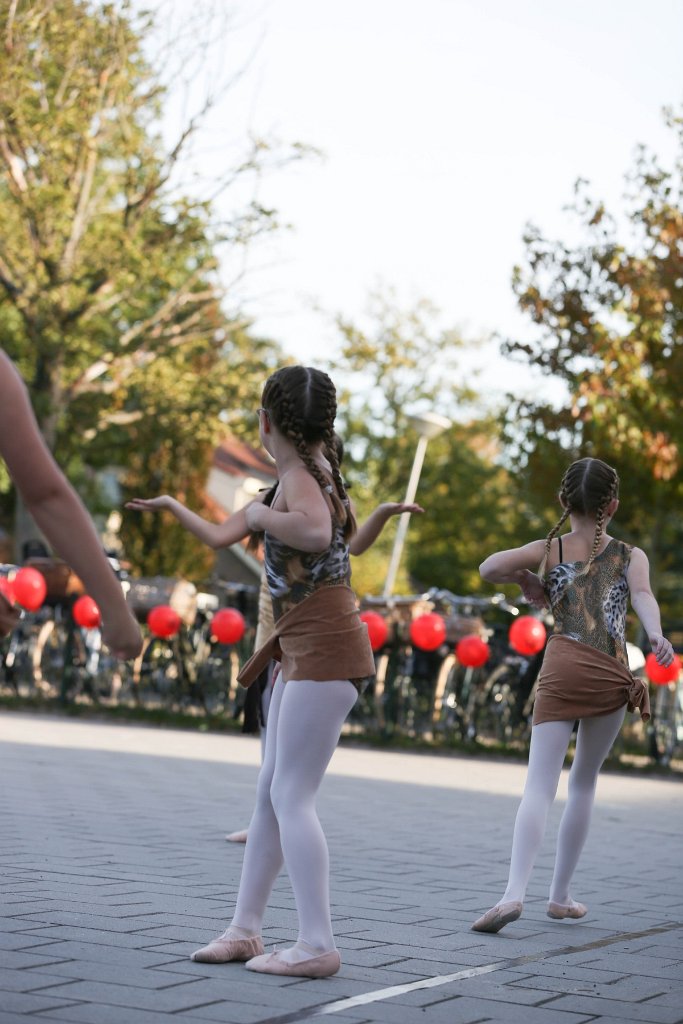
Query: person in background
x: 60, y: 515
x: 258, y: 696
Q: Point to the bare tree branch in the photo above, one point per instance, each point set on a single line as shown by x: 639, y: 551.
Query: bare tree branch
x: 9, y: 40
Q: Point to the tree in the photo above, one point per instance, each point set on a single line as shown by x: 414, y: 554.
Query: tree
x: 609, y: 314
x: 403, y: 362
x: 110, y: 296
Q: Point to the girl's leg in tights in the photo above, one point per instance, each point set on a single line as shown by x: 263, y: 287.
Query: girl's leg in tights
x: 304, y: 723
x: 593, y: 744
x: 263, y: 854
x: 549, y: 742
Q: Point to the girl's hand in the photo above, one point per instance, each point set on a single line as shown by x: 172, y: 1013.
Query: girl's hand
x: 661, y: 648
x: 150, y: 504
x: 256, y: 515
x: 122, y: 636
x: 397, y: 508
x: 532, y: 588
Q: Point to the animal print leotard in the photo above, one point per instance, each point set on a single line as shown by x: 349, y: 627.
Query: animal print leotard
x: 293, y: 575
x: 592, y: 608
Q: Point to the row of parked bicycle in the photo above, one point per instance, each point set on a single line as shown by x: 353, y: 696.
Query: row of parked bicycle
x: 447, y: 665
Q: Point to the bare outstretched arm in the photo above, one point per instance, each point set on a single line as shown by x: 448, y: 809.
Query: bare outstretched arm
x: 59, y: 512
x: 516, y: 566
x: 368, y: 532
x: 215, y: 535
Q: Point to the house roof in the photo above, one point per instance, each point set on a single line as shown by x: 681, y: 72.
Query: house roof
x: 237, y: 458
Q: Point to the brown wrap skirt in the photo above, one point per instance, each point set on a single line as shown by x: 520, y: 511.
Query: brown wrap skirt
x: 321, y: 638
x: 578, y: 681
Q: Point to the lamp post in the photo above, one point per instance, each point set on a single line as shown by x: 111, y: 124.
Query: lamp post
x: 428, y: 426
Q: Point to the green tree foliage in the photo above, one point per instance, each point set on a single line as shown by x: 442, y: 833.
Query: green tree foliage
x: 402, y: 362
x: 110, y: 299
x: 609, y: 315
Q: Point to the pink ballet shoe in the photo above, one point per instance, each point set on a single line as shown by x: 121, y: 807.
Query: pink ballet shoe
x: 558, y: 911
x: 224, y: 949
x: 322, y: 966
x: 238, y: 837
x: 497, y: 917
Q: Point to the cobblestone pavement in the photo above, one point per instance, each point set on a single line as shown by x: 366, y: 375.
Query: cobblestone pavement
x: 114, y: 867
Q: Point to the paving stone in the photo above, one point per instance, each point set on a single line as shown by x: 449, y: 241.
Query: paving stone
x: 100, y: 919
x: 178, y: 997
x: 645, y: 1012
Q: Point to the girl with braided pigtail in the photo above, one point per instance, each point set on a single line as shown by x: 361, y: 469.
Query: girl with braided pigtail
x: 586, y: 577
x: 325, y: 658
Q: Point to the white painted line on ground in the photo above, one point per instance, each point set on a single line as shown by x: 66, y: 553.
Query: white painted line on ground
x: 340, y: 1005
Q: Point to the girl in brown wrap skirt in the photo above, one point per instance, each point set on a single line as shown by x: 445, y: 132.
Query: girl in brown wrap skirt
x: 586, y: 577
x: 324, y: 650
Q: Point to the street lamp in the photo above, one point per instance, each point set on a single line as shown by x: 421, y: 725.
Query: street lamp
x: 428, y: 426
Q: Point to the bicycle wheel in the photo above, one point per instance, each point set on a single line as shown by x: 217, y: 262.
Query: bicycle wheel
x: 17, y: 664
x: 49, y: 657
x: 494, y: 710
x: 664, y: 732
x: 214, y: 673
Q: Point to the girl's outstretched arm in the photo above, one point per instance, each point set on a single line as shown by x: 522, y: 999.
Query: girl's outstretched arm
x: 215, y: 535
x: 59, y: 512
x: 645, y: 606
x: 368, y: 532
x: 515, y: 566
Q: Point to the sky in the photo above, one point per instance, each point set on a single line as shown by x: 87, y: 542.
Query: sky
x: 446, y: 126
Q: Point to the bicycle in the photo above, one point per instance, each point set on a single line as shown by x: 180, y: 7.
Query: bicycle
x: 466, y: 698
x: 665, y: 729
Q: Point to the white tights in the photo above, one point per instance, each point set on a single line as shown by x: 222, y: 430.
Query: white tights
x: 304, y: 722
x: 549, y: 742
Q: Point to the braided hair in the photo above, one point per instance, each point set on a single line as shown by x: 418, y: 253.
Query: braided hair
x: 302, y: 403
x: 587, y: 488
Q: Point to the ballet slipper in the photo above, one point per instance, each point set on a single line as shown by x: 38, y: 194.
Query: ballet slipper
x: 322, y: 966
x: 238, y: 837
x: 226, y: 948
x: 574, y: 910
x: 497, y: 917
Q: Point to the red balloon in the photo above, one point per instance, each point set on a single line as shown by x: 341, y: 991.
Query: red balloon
x: 30, y: 588
x: 163, y: 621
x: 86, y: 613
x: 378, y: 631
x: 228, y: 626
x: 662, y: 674
x: 7, y: 589
x: 472, y: 651
x: 428, y: 631
x: 527, y: 635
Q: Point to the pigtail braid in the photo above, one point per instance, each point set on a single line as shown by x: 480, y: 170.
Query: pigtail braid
x: 348, y: 517
x: 550, y: 538
x: 599, y: 528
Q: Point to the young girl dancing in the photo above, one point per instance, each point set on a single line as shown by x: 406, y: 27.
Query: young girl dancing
x: 365, y: 536
x: 325, y: 657
x: 586, y: 577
